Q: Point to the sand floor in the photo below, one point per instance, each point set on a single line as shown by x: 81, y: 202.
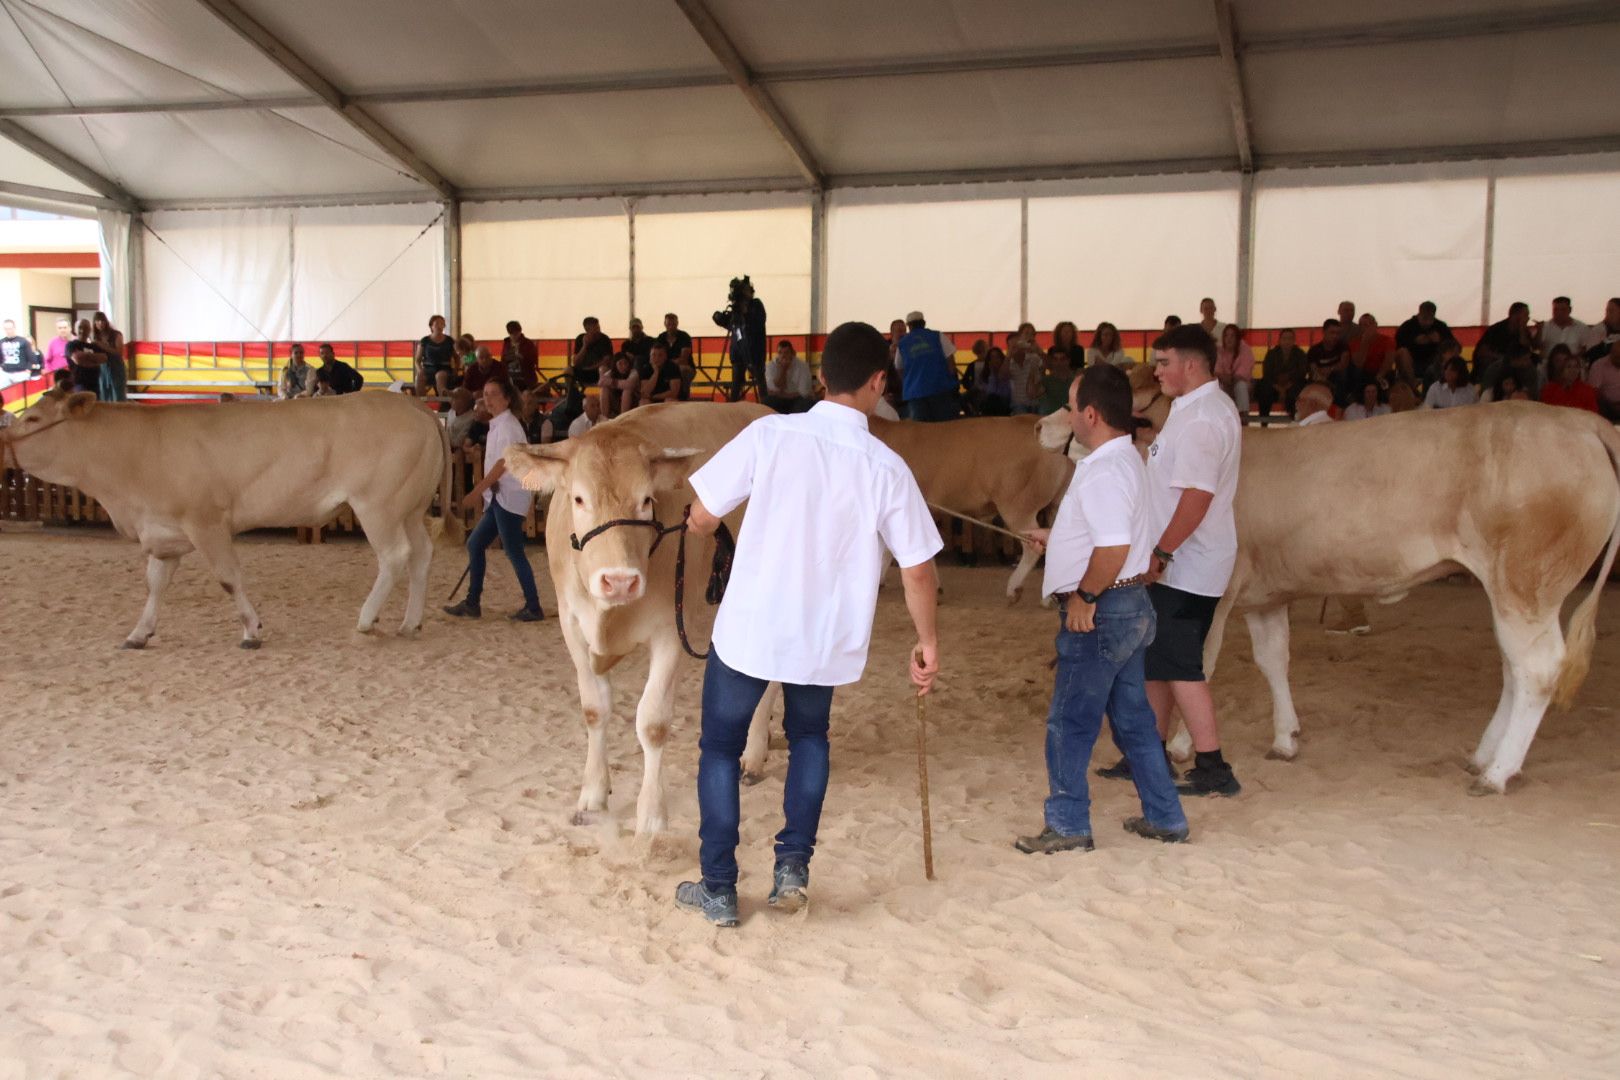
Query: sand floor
x: 351, y: 857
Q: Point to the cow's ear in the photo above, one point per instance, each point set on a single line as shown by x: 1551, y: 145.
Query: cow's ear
x: 79, y: 404
x: 672, y: 466
x: 540, y: 468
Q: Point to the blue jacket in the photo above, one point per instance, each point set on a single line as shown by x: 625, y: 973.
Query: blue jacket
x: 925, y: 370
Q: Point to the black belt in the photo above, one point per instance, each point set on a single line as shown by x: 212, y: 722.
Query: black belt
x: 1139, y: 579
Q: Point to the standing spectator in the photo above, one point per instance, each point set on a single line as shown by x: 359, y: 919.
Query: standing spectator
x: 1604, y: 334
x: 1418, y: 341
x: 18, y: 358
x: 1562, y: 329
x: 1373, y: 352
x: 639, y: 346
x: 1453, y: 389
x: 86, y: 356
x: 482, y: 371
x: 1206, y: 318
x: 677, y: 342
x: 1565, y: 387
x: 114, y: 375
x: 927, y: 362
x: 745, y: 324
x: 1501, y: 339
x: 1024, y: 363
x: 1026, y: 334
x: 1066, y: 337
x: 435, y: 359
x: 994, y: 385
x: 297, y: 378
x: 56, y: 349
x: 506, y: 505
x: 1315, y: 405
x: 1234, y: 367
x: 1283, y: 373
x: 520, y: 356
x: 1368, y: 407
x: 666, y: 381
x: 1106, y: 349
x: 1604, y: 377
x: 338, y: 376
x: 1056, y: 377
x: 788, y: 386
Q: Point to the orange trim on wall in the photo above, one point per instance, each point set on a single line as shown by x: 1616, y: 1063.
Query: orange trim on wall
x: 50, y: 260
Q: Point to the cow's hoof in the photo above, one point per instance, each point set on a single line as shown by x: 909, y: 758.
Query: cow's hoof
x: 1014, y: 595
x: 364, y: 628
x: 1474, y: 768
x: 131, y: 643
x: 583, y: 817
x: 250, y: 643
x: 1483, y: 786
x: 1275, y: 754
x: 750, y: 777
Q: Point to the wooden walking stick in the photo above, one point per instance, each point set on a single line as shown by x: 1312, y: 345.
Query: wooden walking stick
x: 922, y: 782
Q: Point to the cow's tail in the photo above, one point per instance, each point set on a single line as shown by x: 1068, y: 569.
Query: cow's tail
x: 450, y: 531
x: 1582, y: 633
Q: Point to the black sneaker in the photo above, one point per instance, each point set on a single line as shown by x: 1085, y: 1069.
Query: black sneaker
x: 465, y: 610
x: 1121, y: 769
x: 719, y: 908
x: 791, y: 890
x: 524, y: 614
x: 1141, y: 827
x: 1215, y: 780
x: 1050, y: 842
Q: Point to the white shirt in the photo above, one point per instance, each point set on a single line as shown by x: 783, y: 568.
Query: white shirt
x: 825, y: 499
x: 580, y: 426
x: 504, y: 431
x: 1571, y: 335
x: 1119, y: 358
x: 798, y: 378
x: 1105, y: 506
x: 1325, y: 417
x: 1441, y: 396
x: 1358, y: 411
x: 1199, y: 447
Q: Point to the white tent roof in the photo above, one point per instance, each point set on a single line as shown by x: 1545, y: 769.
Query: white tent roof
x: 166, y: 103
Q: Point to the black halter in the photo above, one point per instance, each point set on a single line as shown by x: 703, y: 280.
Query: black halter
x: 578, y: 542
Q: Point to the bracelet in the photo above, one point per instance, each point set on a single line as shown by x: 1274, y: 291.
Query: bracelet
x: 1167, y: 557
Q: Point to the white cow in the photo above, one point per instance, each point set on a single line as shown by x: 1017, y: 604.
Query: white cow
x: 189, y: 477
x: 615, y: 583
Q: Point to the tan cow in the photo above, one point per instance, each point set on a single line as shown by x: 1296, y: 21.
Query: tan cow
x: 189, y: 477
x: 1523, y: 496
x: 615, y: 588
x: 982, y: 466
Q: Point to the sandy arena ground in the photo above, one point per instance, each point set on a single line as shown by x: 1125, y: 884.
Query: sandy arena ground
x: 351, y: 857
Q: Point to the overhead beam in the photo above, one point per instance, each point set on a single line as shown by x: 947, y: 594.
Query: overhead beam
x: 107, y: 189
x: 1232, y: 76
x: 714, y: 36
x: 1446, y: 28
x: 45, y: 194
x: 285, y: 58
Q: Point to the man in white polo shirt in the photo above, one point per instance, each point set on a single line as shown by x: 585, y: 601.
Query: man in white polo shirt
x: 1192, y: 478
x: 798, y: 609
x: 1097, y: 555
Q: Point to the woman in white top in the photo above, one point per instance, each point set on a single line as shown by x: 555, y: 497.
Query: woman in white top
x: 1105, y: 348
x: 1453, y: 387
x: 1234, y: 367
x: 1369, y: 406
x: 506, y: 505
x: 1024, y: 369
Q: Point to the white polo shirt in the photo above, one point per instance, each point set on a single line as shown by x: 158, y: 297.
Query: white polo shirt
x: 1105, y: 506
x: 1199, y: 447
x: 825, y: 499
x: 506, y: 430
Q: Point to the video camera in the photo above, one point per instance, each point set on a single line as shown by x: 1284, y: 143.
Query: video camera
x: 739, y: 292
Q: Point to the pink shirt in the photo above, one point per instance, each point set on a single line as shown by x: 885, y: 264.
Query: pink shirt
x: 1605, y: 379
x: 55, y: 355
x: 1239, y: 368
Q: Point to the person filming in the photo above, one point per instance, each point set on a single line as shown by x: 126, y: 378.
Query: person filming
x: 744, y: 321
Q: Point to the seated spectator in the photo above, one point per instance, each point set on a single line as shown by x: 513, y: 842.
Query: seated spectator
x: 639, y: 346
x: 788, y: 385
x: 1519, y: 364
x: 1066, y: 337
x: 1453, y: 389
x: 1314, y: 405
x: 1402, y: 398
x: 1417, y: 345
x: 520, y: 356
x: 1234, y: 367
x: 435, y: 360
x: 1371, y: 350
x: 1347, y: 319
x: 1604, y: 334
x: 1330, y: 364
x: 968, y: 378
x: 1171, y: 322
x: 589, y: 418
x: 336, y: 376
x: 994, y: 386
x: 1282, y: 375
x: 1508, y: 388
x: 677, y: 342
x: 1604, y: 377
x: 688, y: 373
x: 620, y: 384
x: 1106, y: 349
x: 1024, y: 370
x: 1500, y: 340
x: 483, y: 371
x: 1056, y: 375
x: 1562, y: 329
x: 298, y: 377
x: 463, y: 415
x: 1369, y: 405
x: 1566, y: 387
x: 666, y: 382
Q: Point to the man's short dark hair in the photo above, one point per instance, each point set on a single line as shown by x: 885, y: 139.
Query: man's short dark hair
x: 1514, y: 308
x: 1107, y: 389
x: 1427, y: 305
x: 588, y: 320
x: 1172, y: 321
x: 657, y: 346
x: 1562, y: 300
x: 1188, y: 338
x: 514, y: 327
x: 1329, y: 324
x: 852, y: 354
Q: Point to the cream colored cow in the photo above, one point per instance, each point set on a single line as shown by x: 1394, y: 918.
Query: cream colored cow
x: 189, y: 477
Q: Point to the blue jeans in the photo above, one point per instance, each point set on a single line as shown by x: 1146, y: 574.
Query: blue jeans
x: 729, y: 700
x: 510, y: 526
x: 1101, y: 672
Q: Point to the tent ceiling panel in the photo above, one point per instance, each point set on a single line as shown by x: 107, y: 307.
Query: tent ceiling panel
x: 1273, y: 18
x: 590, y: 139
x: 21, y: 167
x: 115, y: 51
x: 1503, y: 89
x: 432, y: 43
x: 1124, y: 112
x: 221, y: 155
x: 859, y: 31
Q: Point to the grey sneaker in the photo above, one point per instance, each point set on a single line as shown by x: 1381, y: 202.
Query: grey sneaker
x: 1050, y: 842
x: 719, y: 908
x: 1142, y: 827
x: 464, y: 610
x: 791, y: 891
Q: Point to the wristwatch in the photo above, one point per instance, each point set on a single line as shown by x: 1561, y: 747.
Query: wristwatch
x: 1090, y: 598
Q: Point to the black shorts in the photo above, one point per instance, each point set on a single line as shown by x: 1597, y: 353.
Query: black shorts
x: 1177, y: 651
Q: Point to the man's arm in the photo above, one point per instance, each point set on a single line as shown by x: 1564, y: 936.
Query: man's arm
x: 1190, y: 511
x: 701, y: 521
x: 491, y: 478
x: 922, y: 599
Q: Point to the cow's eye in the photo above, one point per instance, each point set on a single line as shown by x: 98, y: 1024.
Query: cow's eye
x: 578, y: 501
